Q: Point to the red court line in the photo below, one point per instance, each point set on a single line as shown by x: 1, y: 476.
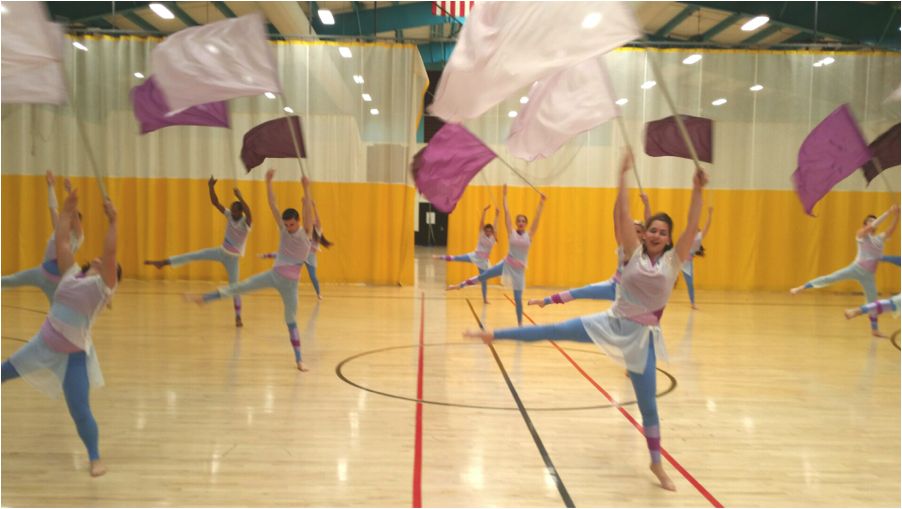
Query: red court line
x: 418, y: 440
x: 698, y: 486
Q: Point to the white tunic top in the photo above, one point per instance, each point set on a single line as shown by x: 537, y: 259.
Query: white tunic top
x: 514, y: 272
x: 624, y: 331
x: 293, y: 251
x: 870, y: 250
x: 480, y: 256
x: 236, y: 234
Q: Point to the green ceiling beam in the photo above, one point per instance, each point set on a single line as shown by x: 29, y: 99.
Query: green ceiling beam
x: 761, y: 35
x: 720, y: 27
x: 138, y: 20
x: 224, y: 9
x: 181, y: 14
x: 674, y: 22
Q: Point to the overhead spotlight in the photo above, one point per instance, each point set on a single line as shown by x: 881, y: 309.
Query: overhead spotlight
x: 325, y: 15
x: 138, y: 75
x: 621, y: 101
x: 719, y: 102
x: 288, y: 109
x: 691, y: 59
x: 755, y: 23
x: 374, y: 111
x: 345, y: 51
x: 648, y: 84
x: 80, y: 46
x: 366, y: 97
x: 161, y: 11
x: 592, y: 20
x: 524, y: 100
x: 756, y: 88
x: 270, y: 95
x: 358, y: 79
x: 512, y: 114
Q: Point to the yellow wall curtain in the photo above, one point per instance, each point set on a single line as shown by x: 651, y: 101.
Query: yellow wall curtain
x: 759, y: 240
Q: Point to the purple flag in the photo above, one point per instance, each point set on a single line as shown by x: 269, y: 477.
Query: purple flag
x: 833, y: 150
x: 885, y: 150
x: 444, y: 167
x: 153, y: 113
x: 663, y: 138
x: 271, y: 139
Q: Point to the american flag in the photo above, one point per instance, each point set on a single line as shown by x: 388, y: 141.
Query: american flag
x: 450, y: 8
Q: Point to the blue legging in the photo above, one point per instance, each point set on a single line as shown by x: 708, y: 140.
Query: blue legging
x: 596, y: 291
x: 76, y: 388
x: 894, y: 259
x: 311, y: 271
x: 644, y: 385
x: 855, y: 272
x: 466, y: 258
x: 495, y: 271
x: 31, y: 277
x: 213, y: 254
x: 690, y: 287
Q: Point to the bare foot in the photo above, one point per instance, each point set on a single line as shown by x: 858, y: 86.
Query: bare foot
x: 694, y: 307
x: 877, y: 334
x: 437, y: 257
x: 158, y: 264
x: 195, y: 298
x: 453, y: 287
x: 484, y: 335
x: 852, y: 313
x: 796, y: 290
x: 658, y: 470
x: 536, y: 302
x: 302, y: 367
x: 486, y: 302
x: 238, y: 322
x: 97, y: 468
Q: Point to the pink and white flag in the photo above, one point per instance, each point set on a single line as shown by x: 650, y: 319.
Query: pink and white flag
x: 223, y: 60
x: 572, y: 101
x: 32, y: 55
x: 507, y: 46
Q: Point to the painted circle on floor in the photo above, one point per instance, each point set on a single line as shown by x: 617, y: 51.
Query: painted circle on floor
x: 347, y: 365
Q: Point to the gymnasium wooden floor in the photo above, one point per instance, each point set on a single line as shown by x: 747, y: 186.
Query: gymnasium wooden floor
x: 778, y: 401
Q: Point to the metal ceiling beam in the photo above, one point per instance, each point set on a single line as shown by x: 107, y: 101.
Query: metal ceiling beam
x: 224, y: 9
x: 357, y: 13
x: 384, y: 19
x: 762, y: 34
x: 138, y: 20
x: 181, y: 14
x: 676, y: 20
x: 720, y: 27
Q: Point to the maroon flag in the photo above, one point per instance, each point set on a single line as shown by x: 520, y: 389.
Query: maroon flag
x: 444, y: 167
x: 153, y: 113
x: 663, y: 138
x: 833, y: 150
x: 885, y: 150
x: 271, y: 139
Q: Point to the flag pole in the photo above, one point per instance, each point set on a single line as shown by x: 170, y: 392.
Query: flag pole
x: 80, y: 127
x: 679, y: 119
x: 517, y: 173
x: 630, y: 147
x: 879, y: 167
x: 294, y: 140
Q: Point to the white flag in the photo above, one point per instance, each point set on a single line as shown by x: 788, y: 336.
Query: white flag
x: 215, y: 62
x: 31, y: 49
x: 560, y: 107
x: 506, y: 46
x: 895, y: 96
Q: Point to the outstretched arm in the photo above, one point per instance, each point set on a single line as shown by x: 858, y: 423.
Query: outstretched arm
x: 482, y: 218
x: 646, y: 213
x: 213, y: 198
x: 628, y: 238
x: 535, y: 222
x: 892, y: 226
x: 247, y: 208
x: 64, y: 257
x: 108, y: 260
x: 708, y: 222
x: 52, y: 203
x: 271, y: 196
x: 507, y: 212
x: 684, y: 244
x: 308, y: 205
x: 316, y: 223
x: 495, y: 222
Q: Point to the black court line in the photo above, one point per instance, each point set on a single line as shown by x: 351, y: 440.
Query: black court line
x: 549, y: 466
x: 20, y: 340
x: 894, y: 339
x: 339, y: 372
x: 38, y: 311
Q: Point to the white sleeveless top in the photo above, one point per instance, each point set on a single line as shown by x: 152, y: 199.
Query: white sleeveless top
x: 645, y: 286
x: 484, y: 246
x: 236, y: 234
x: 293, y: 251
x: 870, y: 250
x: 76, y: 303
